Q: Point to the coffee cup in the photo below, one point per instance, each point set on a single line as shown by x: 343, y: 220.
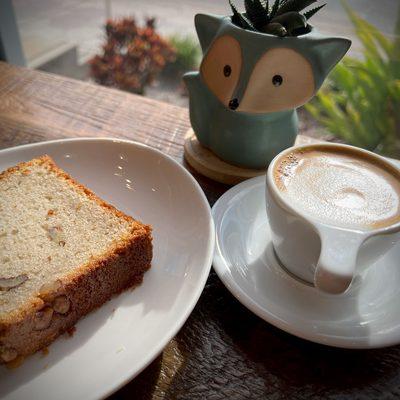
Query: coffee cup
x: 333, y: 211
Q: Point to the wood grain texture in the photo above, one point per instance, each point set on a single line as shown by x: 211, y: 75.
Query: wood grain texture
x: 37, y: 106
x: 223, y: 351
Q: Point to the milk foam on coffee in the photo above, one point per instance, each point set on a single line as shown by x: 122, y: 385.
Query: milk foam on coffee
x: 340, y: 186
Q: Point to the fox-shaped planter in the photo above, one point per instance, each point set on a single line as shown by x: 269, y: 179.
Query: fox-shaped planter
x: 243, y: 100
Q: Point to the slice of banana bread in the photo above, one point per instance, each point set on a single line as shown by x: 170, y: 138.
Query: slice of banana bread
x: 63, y: 252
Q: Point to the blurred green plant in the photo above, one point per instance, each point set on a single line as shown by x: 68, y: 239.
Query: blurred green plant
x: 360, y: 103
x: 188, y: 53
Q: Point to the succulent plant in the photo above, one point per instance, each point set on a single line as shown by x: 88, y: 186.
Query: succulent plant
x: 283, y: 18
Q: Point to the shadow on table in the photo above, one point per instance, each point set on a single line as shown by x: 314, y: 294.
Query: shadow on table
x: 231, y: 353
x: 291, y: 364
x: 294, y: 366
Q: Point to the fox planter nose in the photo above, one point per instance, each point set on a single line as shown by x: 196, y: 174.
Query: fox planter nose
x: 243, y: 100
x: 233, y: 104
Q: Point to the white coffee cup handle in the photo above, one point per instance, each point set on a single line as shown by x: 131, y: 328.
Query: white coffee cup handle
x: 337, y: 261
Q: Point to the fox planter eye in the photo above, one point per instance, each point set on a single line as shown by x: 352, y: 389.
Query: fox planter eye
x: 227, y: 71
x: 243, y: 100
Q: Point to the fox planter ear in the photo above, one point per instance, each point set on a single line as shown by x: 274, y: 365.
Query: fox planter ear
x: 326, y: 53
x: 207, y: 26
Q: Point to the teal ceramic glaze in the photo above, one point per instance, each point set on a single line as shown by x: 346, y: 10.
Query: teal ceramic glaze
x: 243, y: 101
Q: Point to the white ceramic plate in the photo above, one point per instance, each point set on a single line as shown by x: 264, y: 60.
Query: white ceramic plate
x: 368, y: 316
x: 116, y: 342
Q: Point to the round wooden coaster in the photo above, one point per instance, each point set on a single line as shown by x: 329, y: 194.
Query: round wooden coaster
x: 208, y: 164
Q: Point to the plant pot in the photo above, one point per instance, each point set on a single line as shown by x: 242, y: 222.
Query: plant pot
x: 243, y: 100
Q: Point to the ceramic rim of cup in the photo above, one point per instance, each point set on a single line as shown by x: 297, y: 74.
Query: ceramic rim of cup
x: 311, y: 219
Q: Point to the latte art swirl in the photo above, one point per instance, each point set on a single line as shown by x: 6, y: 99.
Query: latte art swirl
x: 340, y: 187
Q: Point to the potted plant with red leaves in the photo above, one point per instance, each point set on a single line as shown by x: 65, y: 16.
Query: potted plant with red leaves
x: 132, y: 55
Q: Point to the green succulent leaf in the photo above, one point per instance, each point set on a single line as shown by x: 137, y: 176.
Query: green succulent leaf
x: 291, y: 21
x: 275, y: 8
x: 256, y: 13
x: 308, y: 14
x: 249, y: 7
x: 294, y: 5
x: 275, y: 28
x: 241, y: 20
x: 262, y: 5
x: 236, y: 17
x: 246, y: 23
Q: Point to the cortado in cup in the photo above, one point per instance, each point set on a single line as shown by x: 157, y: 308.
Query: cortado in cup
x: 333, y: 211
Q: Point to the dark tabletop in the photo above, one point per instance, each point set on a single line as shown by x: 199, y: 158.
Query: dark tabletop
x: 223, y: 351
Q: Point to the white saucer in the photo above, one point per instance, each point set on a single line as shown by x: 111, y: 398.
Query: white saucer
x: 117, y: 341
x: 368, y: 316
